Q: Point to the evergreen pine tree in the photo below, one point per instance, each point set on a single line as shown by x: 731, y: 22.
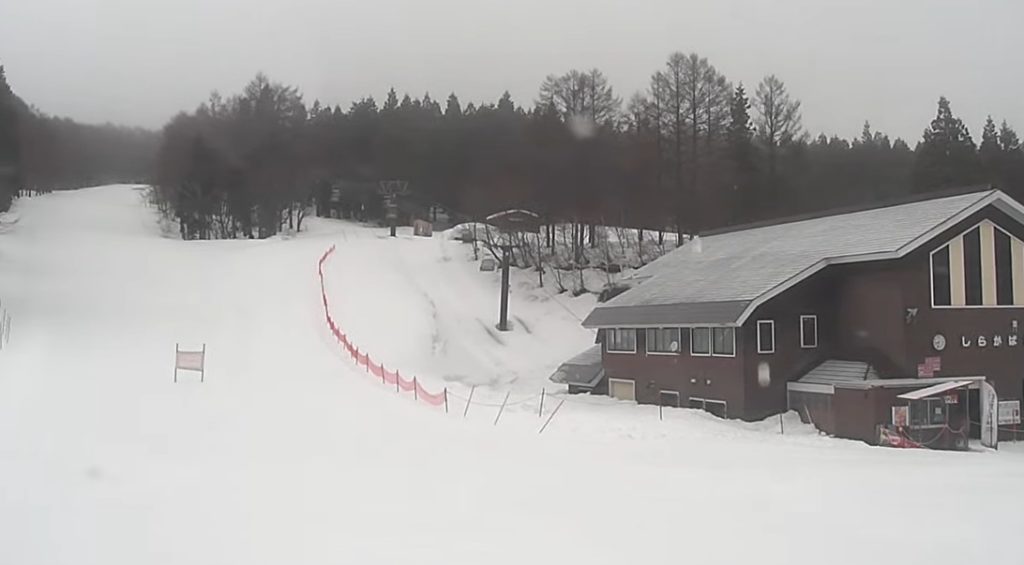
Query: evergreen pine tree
x: 740, y: 136
x: 452, y: 108
x: 946, y: 156
x: 989, y: 149
x: 392, y: 101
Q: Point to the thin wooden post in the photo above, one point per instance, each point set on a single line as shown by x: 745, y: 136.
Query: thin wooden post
x: 540, y: 413
x: 382, y: 379
x: 502, y: 409
x: 398, y: 381
x: 469, y: 401
x: 782, y: 426
x: 553, y: 412
x: 445, y: 400
x: 415, y: 392
x: 202, y: 372
x: 661, y: 411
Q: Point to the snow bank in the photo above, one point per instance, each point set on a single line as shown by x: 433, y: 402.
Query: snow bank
x: 290, y: 454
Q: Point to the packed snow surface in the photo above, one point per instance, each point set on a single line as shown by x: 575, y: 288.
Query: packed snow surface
x: 289, y: 454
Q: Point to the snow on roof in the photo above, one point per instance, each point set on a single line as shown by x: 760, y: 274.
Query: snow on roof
x: 752, y: 265
x: 584, y: 370
x: 934, y: 389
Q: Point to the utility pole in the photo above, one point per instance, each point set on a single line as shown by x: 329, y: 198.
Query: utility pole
x: 503, y: 318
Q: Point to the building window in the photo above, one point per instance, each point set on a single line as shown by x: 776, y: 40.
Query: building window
x: 765, y: 336
x: 808, y: 331
x: 700, y: 341
x: 724, y: 342
x: 972, y: 267
x: 621, y: 340
x: 928, y: 412
x: 663, y: 340
x: 940, y: 277
x: 981, y: 267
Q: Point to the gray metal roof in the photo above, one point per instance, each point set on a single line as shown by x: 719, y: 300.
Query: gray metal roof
x: 659, y: 315
x: 749, y: 266
x: 583, y: 370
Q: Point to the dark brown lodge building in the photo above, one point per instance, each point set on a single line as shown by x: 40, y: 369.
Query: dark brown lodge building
x: 880, y: 324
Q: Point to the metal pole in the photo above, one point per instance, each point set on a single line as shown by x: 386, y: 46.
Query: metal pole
x: 415, y: 392
x: 469, y: 401
x: 503, y: 319
x: 445, y: 400
x: 540, y: 413
x: 502, y: 409
x: 553, y: 412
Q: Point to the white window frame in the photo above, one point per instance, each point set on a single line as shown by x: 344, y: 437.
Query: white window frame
x: 679, y: 398
x: 711, y: 340
x: 803, y: 342
x: 632, y: 383
x: 647, y: 342
x: 761, y: 349
x: 704, y: 405
x: 713, y: 354
x: 607, y: 341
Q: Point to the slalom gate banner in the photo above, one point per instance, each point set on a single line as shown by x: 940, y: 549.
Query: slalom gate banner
x: 363, y: 359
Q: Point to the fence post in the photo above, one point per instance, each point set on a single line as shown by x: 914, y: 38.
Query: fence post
x: 661, y: 414
x: 398, y: 382
x: 782, y: 427
x: 502, y: 409
x: 540, y: 413
x: 445, y: 400
x: 469, y: 401
x: 382, y: 379
x: 415, y: 389
x: 552, y: 415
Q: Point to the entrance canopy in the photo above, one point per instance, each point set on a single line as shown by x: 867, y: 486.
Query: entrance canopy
x: 933, y: 390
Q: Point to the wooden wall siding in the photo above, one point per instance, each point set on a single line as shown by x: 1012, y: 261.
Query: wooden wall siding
x: 789, y: 361
x: 714, y: 378
x: 988, y: 264
x: 1017, y: 262
x: 974, y: 264
x: 956, y: 272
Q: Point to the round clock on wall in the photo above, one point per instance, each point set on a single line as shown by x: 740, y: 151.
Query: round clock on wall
x: 939, y: 342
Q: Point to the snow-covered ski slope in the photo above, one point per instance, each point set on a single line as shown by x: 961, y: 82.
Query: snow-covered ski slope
x: 288, y: 454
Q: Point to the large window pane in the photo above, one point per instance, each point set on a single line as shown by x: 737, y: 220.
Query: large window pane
x: 765, y: 336
x: 940, y: 277
x: 724, y: 341
x: 663, y: 340
x: 972, y: 267
x: 700, y: 341
x: 620, y: 339
x: 808, y: 331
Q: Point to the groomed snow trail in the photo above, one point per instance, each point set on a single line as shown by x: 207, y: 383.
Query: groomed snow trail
x: 288, y: 454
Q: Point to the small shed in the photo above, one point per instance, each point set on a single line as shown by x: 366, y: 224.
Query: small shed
x: 582, y: 373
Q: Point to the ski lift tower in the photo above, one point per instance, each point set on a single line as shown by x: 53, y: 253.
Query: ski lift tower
x: 508, y: 223
x: 391, y: 190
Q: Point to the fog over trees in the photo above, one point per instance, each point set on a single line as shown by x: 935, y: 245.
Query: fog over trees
x: 691, y: 152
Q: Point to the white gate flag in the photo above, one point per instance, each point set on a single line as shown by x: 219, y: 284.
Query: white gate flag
x: 989, y: 416
x: 190, y: 361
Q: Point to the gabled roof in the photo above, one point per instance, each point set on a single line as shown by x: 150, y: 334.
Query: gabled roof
x: 720, y: 279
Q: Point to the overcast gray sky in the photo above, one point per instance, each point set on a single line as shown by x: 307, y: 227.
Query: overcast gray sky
x: 138, y: 62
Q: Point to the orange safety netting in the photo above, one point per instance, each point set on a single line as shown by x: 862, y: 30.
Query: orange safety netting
x: 363, y: 358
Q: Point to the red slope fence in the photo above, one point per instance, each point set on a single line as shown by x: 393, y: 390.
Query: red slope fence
x: 363, y: 358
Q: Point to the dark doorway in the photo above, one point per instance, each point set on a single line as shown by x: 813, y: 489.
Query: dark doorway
x: 974, y: 413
